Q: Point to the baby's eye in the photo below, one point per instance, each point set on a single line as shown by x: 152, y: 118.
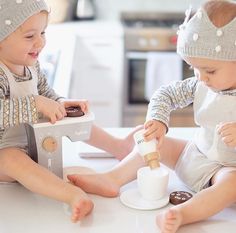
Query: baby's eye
x: 29, y: 36
x: 210, y: 71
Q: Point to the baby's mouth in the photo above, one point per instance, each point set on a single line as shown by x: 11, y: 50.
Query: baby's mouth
x: 34, y: 54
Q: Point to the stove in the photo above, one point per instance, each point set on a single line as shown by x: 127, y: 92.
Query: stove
x: 153, y: 31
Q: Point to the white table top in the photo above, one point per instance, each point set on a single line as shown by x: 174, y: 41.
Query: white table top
x: 24, y: 212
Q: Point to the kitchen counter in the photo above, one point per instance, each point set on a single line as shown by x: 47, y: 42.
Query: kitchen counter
x: 24, y: 212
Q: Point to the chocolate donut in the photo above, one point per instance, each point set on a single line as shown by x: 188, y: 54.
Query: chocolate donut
x: 179, y: 197
x: 74, y: 111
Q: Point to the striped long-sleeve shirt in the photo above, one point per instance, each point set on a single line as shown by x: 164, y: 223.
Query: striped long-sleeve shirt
x: 178, y: 94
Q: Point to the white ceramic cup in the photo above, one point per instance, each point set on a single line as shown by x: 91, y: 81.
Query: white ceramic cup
x: 152, y: 184
x: 144, y: 147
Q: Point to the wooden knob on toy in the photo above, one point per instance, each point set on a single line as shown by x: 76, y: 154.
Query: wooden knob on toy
x: 49, y: 144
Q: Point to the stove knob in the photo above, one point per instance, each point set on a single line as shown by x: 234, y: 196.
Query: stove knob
x: 49, y: 144
x: 153, y: 42
x: 142, y: 42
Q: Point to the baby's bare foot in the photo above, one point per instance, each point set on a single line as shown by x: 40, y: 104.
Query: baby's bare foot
x: 169, y: 221
x: 99, y: 184
x: 81, y: 206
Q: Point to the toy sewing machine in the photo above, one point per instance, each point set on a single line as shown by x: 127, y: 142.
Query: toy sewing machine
x: 45, y: 139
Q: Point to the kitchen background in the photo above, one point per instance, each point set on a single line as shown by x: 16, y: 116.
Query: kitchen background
x: 115, y: 54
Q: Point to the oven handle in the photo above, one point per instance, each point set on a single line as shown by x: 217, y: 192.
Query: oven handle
x: 136, y: 55
x: 142, y: 55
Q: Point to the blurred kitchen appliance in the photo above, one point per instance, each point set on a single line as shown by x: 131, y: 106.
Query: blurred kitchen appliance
x: 45, y: 139
x: 147, y: 32
x: 61, y: 10
x: 85, y: 10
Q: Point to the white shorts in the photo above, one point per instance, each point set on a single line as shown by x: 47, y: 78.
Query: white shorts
x: 195, y: 169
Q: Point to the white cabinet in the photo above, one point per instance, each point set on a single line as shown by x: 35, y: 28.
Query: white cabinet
x: 60, y: 47
x: 98, y: 69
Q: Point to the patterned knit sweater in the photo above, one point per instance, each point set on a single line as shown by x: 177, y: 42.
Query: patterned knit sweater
x: 15, y: 111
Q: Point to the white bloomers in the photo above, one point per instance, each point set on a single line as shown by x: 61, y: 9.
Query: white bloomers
x: 195, y: 169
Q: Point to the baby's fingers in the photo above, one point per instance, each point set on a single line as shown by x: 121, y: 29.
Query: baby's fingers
x: 84, y: 107
x: 148, y: 124
x: 63, y: 111
x: 59, y: 115
x: 53, y: 119
x: 222, y: 127
x: 150, y: 134
x: 229, y: 141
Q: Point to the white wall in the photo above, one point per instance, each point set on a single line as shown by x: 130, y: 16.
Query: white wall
x: 110, y: 9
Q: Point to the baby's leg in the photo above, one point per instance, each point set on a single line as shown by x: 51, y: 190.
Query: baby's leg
x: 119, y: 147
x: 16, y: 164
x: 108, y: 184
x: 4, y: 178
x: 204, y: 204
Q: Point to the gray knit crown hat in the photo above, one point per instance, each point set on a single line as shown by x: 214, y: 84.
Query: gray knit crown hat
x: 199, y: 37
x: 14, y: 13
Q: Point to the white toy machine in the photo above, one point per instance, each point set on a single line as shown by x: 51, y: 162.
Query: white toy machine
x: 45, y: 139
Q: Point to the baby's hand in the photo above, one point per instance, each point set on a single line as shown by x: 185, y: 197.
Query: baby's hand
x: 50, y: 109
x: 155, y: 129
x: 227, y: 132
x: 83, y: 104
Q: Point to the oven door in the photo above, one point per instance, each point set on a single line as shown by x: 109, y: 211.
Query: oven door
x: 135, y: 76
x: 136, y: 73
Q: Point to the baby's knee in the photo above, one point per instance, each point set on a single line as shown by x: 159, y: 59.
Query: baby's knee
x: 225, y: 175
x: 9, y: 159
x: 231, y: 183
x: 228, y: 182
x: 231, y: 177
x: 10, y: 156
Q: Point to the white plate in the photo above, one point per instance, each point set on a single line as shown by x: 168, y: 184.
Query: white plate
x: 133, y: 199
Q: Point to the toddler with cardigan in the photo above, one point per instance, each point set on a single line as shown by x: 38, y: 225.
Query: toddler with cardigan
x: 25, y: 94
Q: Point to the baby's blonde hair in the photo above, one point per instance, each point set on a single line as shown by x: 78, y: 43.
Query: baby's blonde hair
x: 220, y: 12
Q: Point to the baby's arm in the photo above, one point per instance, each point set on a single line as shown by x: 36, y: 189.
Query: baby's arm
x: 167, y: 98
x: 170, y: 97
x: 50, y: 109
x: 227, y: 132
x: 45, y: 90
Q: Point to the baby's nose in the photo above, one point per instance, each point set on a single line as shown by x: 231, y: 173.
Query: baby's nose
x: 40, y: 42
